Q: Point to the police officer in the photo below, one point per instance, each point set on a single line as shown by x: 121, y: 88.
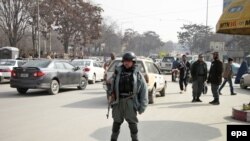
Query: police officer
x: 199, y: 76
x: 215, y: 77
x: 129, y: 96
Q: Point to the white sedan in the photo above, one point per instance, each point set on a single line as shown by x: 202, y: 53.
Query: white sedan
x: 245, y: 81
x: 92, y: 68
x: 7, y: 65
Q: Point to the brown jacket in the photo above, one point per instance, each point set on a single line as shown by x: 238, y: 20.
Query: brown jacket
x: 228, y: 72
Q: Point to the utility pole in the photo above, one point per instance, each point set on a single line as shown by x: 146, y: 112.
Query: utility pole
x: 38, y: 42
x: 206, y: 34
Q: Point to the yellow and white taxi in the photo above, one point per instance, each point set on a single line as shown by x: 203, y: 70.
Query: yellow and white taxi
x: 156, y: 80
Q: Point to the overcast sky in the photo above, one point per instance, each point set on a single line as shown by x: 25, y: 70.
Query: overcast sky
x: 165, y: 17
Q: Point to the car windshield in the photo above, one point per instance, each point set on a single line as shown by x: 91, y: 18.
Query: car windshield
x: 119, y: 63
x: 37, y: 63
x: 81, y: 63
x: 168, y: 59
x: 7, y: 63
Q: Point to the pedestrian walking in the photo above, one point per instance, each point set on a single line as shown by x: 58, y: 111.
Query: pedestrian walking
x: 175, y: 65
x: 112, y: 58
x: 129, y: 95
x: 215, y: 77
x: 227, y: 75
x: 199, y: 76
x: 242, y: 70
x: 184, y: 68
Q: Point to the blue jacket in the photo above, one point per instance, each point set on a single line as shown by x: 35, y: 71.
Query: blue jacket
x: 140, y: 90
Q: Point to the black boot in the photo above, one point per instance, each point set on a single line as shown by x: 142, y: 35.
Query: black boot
x: 194, y: 99
x: 115, y: 131
x: 198, y: 100
x: 133, y: 131
x: 215, y: 102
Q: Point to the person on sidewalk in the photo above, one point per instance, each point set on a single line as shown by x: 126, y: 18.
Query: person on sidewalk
x: 175, y: 69
x: 199, y: 76
x: 112, y: 58
x: 184, y: 68
x: 129, y: 95
x: 215, y: 77
x: 227, y: 75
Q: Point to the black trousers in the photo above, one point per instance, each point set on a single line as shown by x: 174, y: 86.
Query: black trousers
x: 183, y: 82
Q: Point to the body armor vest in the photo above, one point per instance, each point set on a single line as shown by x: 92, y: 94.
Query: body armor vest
x: 126, y: 82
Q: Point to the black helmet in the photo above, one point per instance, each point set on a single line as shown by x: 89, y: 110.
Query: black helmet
x: 129, y: 56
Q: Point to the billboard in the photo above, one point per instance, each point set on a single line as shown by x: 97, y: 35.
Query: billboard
x: 226, y: 3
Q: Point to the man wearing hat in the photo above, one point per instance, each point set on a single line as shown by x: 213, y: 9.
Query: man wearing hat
x: 215, y: 77
x: 227, y: 75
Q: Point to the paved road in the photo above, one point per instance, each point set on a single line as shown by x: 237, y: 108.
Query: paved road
x: 76, y: 115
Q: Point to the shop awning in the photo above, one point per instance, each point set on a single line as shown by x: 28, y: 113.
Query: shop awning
x: 235, y: 18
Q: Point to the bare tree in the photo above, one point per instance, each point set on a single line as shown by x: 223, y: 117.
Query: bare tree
x: 76, y: 22
x: 13, y: 19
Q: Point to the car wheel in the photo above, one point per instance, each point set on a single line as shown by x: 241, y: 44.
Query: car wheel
x: 151, y: 95
x: 93, y: 80
x: 163, y: 91
x: 83, y: 84
x: 242, y: 85
x: 54, y: 87
x: 22, y: 90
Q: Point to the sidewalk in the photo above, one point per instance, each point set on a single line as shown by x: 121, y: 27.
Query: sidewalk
x: 175, y: 118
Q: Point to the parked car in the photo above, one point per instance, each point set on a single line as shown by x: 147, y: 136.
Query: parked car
x: 156, y: 81
x: 92, y: 68
x: 166, y: 63
x: 235, y: 68
x: 51, y: 75
x: 245, y: 81
x: 7, y: 65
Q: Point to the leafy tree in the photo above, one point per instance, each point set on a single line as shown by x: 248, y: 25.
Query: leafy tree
x: 151, y: 42
x: 194, y: 36
x: 142, y: 44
